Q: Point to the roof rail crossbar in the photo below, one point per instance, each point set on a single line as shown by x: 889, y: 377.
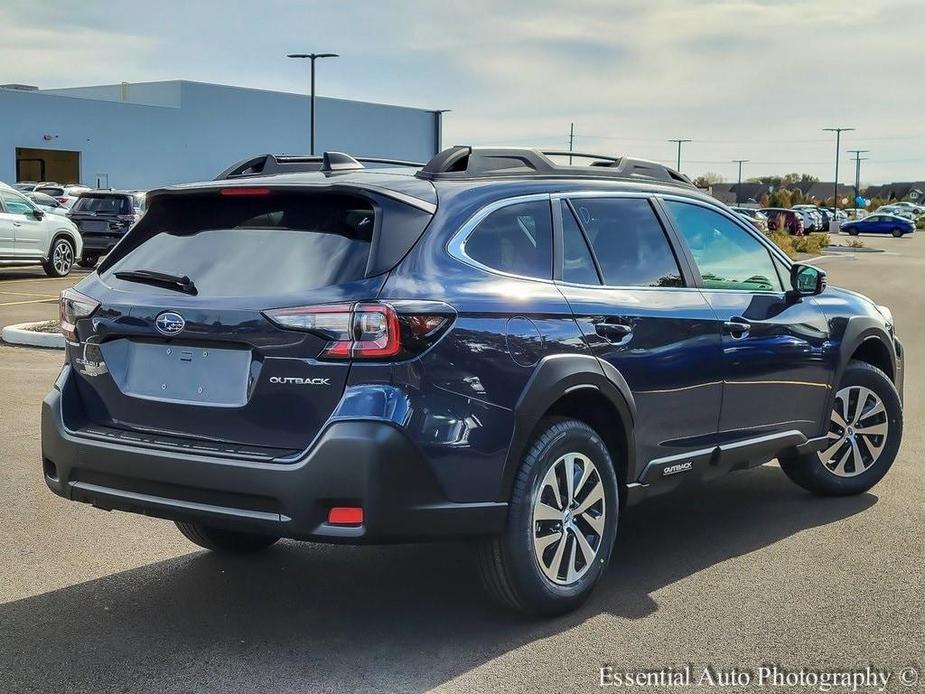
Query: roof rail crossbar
x: 461, y: 162
x: 329, y: 162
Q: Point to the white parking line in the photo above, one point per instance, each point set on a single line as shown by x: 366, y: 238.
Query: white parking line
x: 24, y: 294
x: 32, y: 301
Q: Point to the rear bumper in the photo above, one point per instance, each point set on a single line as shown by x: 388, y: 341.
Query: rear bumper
x: 100, y: 243
x: 371, y: 464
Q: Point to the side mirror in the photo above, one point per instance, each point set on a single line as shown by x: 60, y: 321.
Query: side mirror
x: 38, y: 214
x: 806, y: 280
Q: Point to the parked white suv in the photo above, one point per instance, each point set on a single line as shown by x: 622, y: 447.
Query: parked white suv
x: 29, y: 236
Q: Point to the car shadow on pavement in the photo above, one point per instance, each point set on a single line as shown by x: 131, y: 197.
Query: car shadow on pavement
x: 307, y: 617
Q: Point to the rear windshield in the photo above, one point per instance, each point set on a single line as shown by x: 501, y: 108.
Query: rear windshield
x: 256, y: 245
x: 104, y: 204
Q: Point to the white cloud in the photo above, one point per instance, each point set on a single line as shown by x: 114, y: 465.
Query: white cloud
x: 744, y: 79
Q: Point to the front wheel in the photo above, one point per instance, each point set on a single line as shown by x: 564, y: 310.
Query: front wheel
x: 60, y: 259
x: 221, y: 540
x: 865, y: 430
x: 561, y: 524
x: 853, y: 232
x: 88, y: 261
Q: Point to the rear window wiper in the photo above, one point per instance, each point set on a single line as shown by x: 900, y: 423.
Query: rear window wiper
x: 180, y: 283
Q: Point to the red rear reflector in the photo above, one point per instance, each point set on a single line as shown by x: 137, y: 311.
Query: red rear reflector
x: 345, y: 515
x: 245, y: 191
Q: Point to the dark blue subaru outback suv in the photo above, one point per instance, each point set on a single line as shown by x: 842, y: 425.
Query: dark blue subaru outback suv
x: 497, y: 345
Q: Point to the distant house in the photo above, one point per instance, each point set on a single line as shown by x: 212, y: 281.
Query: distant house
x: 730, y: 193
x: 909, y: 191
x: 821, y: 191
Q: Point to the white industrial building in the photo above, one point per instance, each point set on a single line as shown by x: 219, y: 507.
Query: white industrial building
x: 144, y: 135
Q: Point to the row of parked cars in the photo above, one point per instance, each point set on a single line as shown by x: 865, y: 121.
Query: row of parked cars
x: 59, y: 226
x: 898, y: 219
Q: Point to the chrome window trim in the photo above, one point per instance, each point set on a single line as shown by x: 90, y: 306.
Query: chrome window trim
x: 456, y: 246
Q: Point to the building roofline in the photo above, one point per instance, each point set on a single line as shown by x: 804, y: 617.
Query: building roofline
x: 182, y: 82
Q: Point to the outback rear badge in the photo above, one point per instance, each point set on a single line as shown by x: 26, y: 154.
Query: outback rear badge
x: 679, y: 467
x: 296, y: 381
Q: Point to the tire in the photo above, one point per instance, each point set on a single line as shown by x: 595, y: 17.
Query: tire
x: 89, y: 262
x: 226, y: 541
x: 897, y: 233
x: 508, y: 565
x: 60, y: 258
x: 840, y: 475
x: 853, y: 232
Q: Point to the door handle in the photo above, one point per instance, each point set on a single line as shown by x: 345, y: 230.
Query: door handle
x: 737, y: 327
x: 614, y: 332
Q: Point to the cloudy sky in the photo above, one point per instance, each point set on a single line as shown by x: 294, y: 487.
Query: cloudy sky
x: 756, y: 79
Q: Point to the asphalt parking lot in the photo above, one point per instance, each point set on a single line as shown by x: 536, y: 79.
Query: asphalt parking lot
x: 750, y: 571
x: 27, y: 293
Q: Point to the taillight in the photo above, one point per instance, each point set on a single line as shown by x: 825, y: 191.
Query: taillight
x: 365, y: 330
x: 72, y: 306
x: 244, y: 192
x: 62, y: 200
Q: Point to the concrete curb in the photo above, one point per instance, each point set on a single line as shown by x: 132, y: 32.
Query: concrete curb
x: 21, y: 334
x: 848, y: 249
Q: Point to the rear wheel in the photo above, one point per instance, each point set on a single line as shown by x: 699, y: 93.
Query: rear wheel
x: 60, y: 259
x: 865, y: 431
x: 561, y: 525
x: 221, y: 540
x: 897, y: 232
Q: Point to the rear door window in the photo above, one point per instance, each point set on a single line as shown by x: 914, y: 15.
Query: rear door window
x: 629, y: 242
x: 261, y: 245
x: 517, y: 239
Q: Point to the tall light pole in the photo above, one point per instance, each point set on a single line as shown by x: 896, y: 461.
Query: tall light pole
x: 313, y: 57
x: 571, y: 141
x: 680, y: 142
x: 838, y: 132
x: 857, y: 170
x: 739, y: 184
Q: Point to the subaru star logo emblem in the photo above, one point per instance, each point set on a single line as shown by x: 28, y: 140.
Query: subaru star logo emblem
x: 169, y: 323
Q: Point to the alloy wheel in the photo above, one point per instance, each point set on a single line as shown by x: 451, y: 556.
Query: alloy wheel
x: 62, y: 257
x: 568, y: 519
x: 857, y: 432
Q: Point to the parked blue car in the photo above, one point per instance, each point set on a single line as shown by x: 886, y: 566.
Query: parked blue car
x: 880, y: 224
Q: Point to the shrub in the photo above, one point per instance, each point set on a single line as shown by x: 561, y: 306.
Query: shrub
x: 784, y: 241
x: 791, y: 245
x: 855, y: 243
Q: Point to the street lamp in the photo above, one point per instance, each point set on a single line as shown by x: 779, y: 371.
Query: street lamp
x: 857, y: 170
x: 838, y: 132
x: 313, y: 57
x: 739, y: 184
x: 679, y: 141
